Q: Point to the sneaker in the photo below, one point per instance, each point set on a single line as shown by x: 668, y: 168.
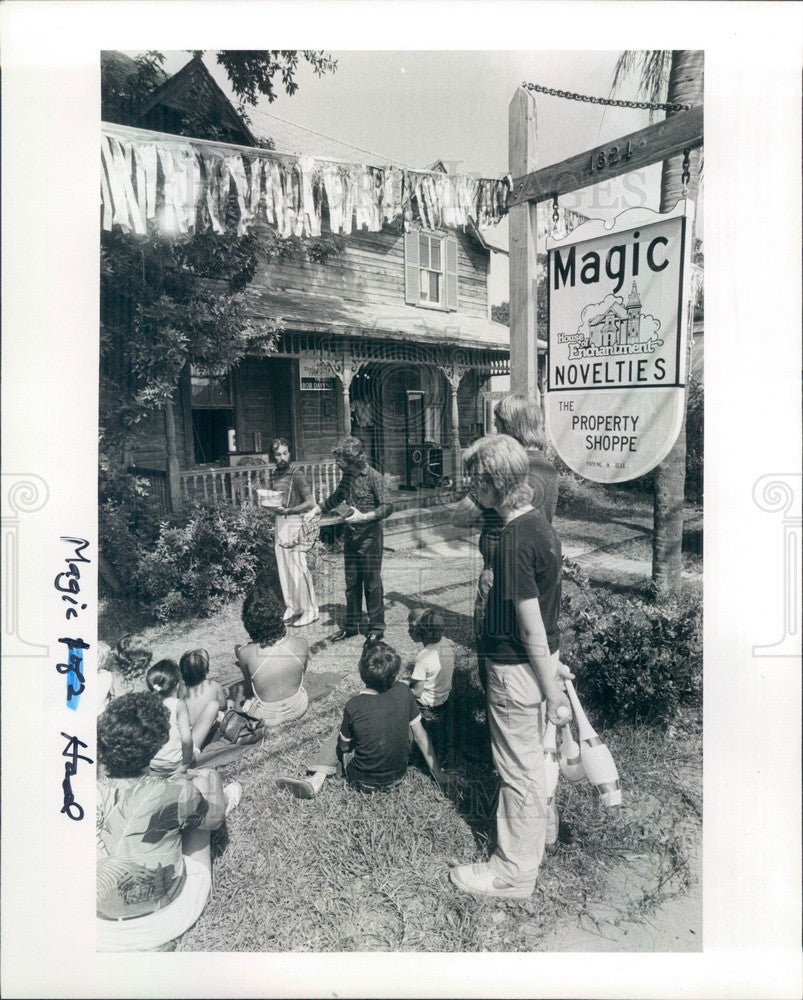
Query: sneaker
x: 300, y: 787
x: 343, y: 633
x: 481, y: 880
x: 232, y: 793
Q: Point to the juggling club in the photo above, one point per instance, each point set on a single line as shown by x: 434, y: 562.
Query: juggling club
x: 595, y: 756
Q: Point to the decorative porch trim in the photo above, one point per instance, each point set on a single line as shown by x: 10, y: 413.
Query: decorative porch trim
x: 360, y: 349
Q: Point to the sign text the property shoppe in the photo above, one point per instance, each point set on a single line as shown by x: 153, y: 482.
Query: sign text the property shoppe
x: 618, y: 304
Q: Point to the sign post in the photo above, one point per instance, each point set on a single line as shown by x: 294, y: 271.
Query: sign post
x: 618, y: 318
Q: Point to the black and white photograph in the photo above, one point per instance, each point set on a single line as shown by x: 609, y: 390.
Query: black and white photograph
x: 291, y: 323
x: 392, y: 604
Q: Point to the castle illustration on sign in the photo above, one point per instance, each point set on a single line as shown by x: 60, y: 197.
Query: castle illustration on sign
x: 614, y: 327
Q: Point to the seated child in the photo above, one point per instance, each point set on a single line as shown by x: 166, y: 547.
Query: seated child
x: 205, y: 698
x: 372, y: 745
x: 431, y: 679
x: 163, y: 679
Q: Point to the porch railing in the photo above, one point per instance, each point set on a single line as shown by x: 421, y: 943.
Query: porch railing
x: 239, y: 484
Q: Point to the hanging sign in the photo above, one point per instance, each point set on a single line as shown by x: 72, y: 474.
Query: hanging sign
x: 315, y: 375
x: 618, y: 301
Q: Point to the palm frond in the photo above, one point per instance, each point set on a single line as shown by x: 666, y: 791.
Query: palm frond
x: 652, y: 67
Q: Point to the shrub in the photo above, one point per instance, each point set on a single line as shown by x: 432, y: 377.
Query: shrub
x: 695, y: 405
x: 128, y: 519
x: 204, y: 559
x: 636, y: 661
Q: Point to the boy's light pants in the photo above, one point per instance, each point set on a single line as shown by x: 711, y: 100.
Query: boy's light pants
x: 294, y: 574
x: 515, y: 714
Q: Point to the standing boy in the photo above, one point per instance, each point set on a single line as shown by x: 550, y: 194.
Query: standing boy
x: 524, y: 674
x: 294, y: 574
x: 363, y: 489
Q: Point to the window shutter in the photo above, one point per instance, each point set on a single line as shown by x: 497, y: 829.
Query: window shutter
x: 412, y: 281
x: 451, y: 273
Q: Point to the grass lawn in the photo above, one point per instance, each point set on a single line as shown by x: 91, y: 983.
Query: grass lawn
x: 370, y: 873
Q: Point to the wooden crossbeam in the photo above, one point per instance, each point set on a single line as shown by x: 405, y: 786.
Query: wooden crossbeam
x: 631, y: 152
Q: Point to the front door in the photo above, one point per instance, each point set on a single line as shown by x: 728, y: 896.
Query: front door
x: 210, y: 434
x: 212, y: 414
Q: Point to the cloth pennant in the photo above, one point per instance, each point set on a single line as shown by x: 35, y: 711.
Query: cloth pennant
x: 120, y: 211
x: 105, y: 199
x: 145, y: 155
x: 236, y: 170
x: 122, y: 166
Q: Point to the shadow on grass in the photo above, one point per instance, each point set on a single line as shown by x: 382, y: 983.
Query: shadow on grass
x: 458, y: 627
x: 462, y: 745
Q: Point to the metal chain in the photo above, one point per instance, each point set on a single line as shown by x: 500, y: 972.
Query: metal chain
x: 569, y: 96
x: 686, y: 174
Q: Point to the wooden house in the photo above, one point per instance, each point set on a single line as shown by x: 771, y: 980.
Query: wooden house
x: 391, y: 340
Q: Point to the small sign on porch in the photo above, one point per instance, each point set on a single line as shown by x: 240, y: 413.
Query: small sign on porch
x: 315, y: 375
x: 618, y: 301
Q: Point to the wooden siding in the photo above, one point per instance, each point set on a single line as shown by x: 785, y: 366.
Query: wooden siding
x: 253, y: 390
x: 148, y: 442
x: 320, y: 423
x: 369, y: 271
x: 263, y: 393
x: 469, y: 407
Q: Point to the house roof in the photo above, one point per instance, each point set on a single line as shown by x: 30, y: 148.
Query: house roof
x: 184, y: 92
x: 118, y: 67
x: 319, y: 312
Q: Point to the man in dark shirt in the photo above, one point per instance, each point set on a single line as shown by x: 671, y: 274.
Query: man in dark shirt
x: 363, y: 489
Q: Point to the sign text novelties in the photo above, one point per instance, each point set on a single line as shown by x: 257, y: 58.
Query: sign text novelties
x: 618, y: 313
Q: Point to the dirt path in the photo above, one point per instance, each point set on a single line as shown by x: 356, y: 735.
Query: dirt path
x: 673, y: 925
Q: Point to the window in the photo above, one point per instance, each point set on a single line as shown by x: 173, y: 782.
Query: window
x: 430, y: 266
x: 430, y: 270
x: 210, y: 388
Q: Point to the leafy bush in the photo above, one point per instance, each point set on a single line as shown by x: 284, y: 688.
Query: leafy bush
x: 636, y: 661
x: 694, y: 439
x: 128, y: 519
x: 204, y: 559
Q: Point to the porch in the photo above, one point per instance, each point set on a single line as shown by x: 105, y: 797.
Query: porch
x: 238, y: 485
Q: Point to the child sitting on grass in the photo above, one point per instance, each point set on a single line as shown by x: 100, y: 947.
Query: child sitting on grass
x: 205, y: 698
x: 163, y: 679
x: 431, y: 677
x: 372, y: 745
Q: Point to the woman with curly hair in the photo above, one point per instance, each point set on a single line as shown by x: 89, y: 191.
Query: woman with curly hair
x: 273, y: 663
x: 121, y: 669
x: 154, y: 862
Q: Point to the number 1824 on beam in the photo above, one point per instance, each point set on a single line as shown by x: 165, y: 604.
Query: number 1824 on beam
x: 604, y: 159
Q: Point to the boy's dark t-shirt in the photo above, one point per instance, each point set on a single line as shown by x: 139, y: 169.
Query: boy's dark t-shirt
x: 378, y: 726
x: 527, y: 563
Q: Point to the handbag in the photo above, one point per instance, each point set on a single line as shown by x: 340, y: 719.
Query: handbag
x: 237, y: 725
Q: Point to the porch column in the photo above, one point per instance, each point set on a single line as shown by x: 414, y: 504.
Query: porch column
x: 453, y: 374
x: 345, y: 368
x: 173, y: 477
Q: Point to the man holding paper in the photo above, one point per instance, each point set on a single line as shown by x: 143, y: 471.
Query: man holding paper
x: 364, y: 502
